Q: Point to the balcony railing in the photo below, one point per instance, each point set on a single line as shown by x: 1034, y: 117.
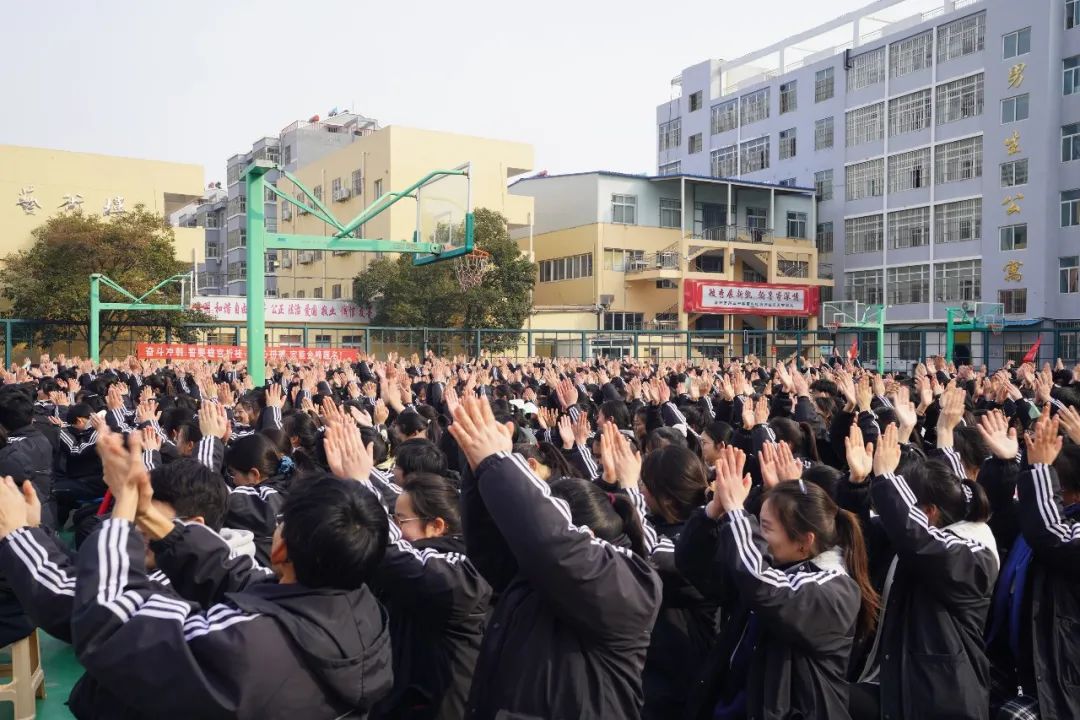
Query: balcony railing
x: 237, y: 274
x: 209, y: 280
x: 737, y: 233
x: 663, y: 260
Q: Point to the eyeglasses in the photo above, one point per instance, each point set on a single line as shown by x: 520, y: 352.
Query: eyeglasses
x: 402, y: 521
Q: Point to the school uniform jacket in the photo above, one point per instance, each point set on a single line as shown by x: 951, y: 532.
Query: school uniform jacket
x: 256, y: 508
x: 270, y: 651
x: 569, y: 634
x: 28, y: 455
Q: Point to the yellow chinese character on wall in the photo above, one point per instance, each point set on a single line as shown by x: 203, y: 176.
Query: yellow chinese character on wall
x: 1011, y: 204
x: 1012, y: 271
x: 1016, y: 75
x: 1012, y: 143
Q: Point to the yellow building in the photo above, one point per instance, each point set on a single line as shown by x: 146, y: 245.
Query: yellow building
x: 619, y: 252
x: 36, y: 183
x: 391, y: 158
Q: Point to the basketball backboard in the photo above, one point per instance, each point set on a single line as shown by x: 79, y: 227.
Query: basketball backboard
x: 444, y: 216
x: 838, y: 314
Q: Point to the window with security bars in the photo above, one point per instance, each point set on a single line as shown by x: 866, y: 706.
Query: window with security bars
x: 755, y: 106
x: 1013, y: 237
x: 725, y: 116
x: 958, y: 221
x: 672, y: 168
x: 864, y: 286
x: 824, y: 84
x: 1070, y: 142
x: 792, y: 324
x: 1070, y: 208
x: 909, y: 284
x: 909, y: 170
x: 960, y: 160
x: 823, y: 184
x: 1015, y: 109
x: 865, y: 124
x: 754, y: 154
x: 787, y: 143
x: 866, y: 69
x: 670, y: 212
x: 357, y: 182
x: 725, y: 161
x: 1015, y: 301
x: 1069, y: 274
x: 789, y: 98
x: 960, y: 99
x: 863, y: 234
x: 909, y: 113
x: 670, y: 134
x: 823, y: 133
x: 911, y: 54
x: 864, y: 180
x: 909, y: 228
x: 961, y: 37
x: 1014, y: 173
x: 824, y: 237
x: 958, y: 281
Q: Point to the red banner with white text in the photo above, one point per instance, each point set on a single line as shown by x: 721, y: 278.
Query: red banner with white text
x: 740, y: 298
x: 174, y: 351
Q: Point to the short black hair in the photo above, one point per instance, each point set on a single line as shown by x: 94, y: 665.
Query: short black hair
x: 420, y: 456
x: 79, y: 410
x: 16, y: 408
x: 335, y: 532
x: 192, y: 490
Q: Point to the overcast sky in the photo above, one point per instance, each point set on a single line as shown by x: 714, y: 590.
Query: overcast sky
x: 198, y: 81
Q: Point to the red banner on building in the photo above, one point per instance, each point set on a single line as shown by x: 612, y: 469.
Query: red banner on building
x: 174, y: 351
x: 739, y: 298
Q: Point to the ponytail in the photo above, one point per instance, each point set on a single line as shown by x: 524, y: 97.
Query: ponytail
x: 976, y: 503
x: 631, y: 522
x: 810, y: 448
x: 610, y: 516
x: 850, y: 536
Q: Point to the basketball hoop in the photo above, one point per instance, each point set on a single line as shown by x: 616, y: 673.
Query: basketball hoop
x: 996, y: 327
x: 834, y: 327
x: 470, y: 268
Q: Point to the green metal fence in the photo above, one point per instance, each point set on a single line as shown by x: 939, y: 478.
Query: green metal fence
x: 903, y: 346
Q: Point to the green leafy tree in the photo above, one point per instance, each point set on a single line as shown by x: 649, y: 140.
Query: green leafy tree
x: 406, y: 295
x: 50, y: 280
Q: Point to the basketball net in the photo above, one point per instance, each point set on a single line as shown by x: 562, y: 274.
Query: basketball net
x: 470, y: 268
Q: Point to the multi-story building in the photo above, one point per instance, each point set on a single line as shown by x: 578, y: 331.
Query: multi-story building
x: 942, y: 147
x: 620, y: 252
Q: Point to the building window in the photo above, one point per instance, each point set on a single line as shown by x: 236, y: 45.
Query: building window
x: 695, y: 101
x: 286, y: 155
x: 1070, y: 208
x: 624, y: 321
x: 317, y: 292
x: 786, y: 323
x: 755, y: 106
x: 566, y: 268
x: 960, y: 99
x: 301, y: 294
x: 911, y: 55
x: 624, y: 209
x: 335, y: 188
x: 619, y: 260
x: 864, y: 286
x: 909, y: 345
x: 961, y: 37
x: 751, y: 275
x: 788, y: 182
x: 1015, y: 301
x: 1072, y: 14
x: 377, y: 188
x: 909, y: 284
x: 1014, y: 109
x: 823, y: 133
x: 672, y: 168
x: 1070, y: 143
x: 824, y: 84
x: 958, y: 221
x: 823, y: 184
x: 958, y: 281
x: 865, y: 124
x: 670, y: 134
x: 863, y: 234
x: 910, y: 170
x: 1014, y: 173
x: 755, y: 154
x: 960, y: 160
x: 335, y: 291
x: 670, y: 212
x: 725, y: 161
x: 358, y: 182
x: 1071, y: 75
x: 1069, y: 274
x: 789, y: 99
x: 694, y: 144
x: 909, y: 113
x: 866, y: 69
x: 1016, y: 43
x: 213, y: 250
x: 796, y: 224
x: 1013, y: 237
x: 909, y: 228
x: 824, y: 239
x: 787, y: 143
x: 864, y: 180
x: 317, y: 192
x: 725, y: 116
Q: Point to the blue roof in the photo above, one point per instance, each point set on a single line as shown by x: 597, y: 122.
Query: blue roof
x: 652, y: 178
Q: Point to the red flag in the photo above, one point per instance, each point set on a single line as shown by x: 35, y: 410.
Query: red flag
x: 1033, y: 352
x: 853, y: 351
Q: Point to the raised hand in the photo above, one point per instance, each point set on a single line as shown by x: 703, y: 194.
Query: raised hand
x: 621, y: 464
x: 788, y: 467
x: 478, y: 433
x: 1069, y: 419
x: 887, y: 456
x: 905, y: 412
x: 1044, y: 446
x: 150, y: 439
x: 274, y: 397
x: 999, y: 437
x: 213, y: 421
x: 566, y: 432
x: 864, y: 394
x: 761, y: 411
x: 860, y: 455
x: 582, y: 429
x: 382, y: 413
x: 731, y: 487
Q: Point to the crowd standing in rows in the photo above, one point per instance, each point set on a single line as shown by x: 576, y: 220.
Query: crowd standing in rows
x: 488, y: 538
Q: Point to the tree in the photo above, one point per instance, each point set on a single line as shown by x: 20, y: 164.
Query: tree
x: 50, y: 280
x: 407, y: 295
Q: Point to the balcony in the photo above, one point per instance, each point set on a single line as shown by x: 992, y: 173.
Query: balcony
x: 736, y: 233
x: 236, y: 239
x: 662, y: 260
x: 237, y: 206
x: 237, y: 274
x: 209, y: 281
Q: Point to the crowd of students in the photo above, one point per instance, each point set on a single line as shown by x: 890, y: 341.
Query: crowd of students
x: 486, y: 538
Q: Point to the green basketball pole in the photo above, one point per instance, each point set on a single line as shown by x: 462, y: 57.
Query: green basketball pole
x: 137, y: 303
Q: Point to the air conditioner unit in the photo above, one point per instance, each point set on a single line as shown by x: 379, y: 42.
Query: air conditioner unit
x: 306, y: 256
x: 607, y: 300
x: 342, y: 194
x: 286, y: 212
x: 638, y: 264
x: 286, y: 261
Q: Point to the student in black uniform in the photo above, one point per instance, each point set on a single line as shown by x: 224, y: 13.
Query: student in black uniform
x: 259, y: 490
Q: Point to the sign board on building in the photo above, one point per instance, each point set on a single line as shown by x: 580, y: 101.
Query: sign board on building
x: 177, y: 351
x: 300, y: 310
x: 741, y: 298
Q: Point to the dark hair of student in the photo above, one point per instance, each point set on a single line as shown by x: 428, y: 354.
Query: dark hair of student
x: 16, y: 408
x: 410, y: 422
x: 617, y: 412
x: 305, y: 454
x: 335, y: 532
x: 547, y: 455
x: 188, y: 431
x: 824, y: 476
x: 611, y: 516
x: 677, y: 481
x: 79, y: 410
x: 969, y: 444
x: 173, y: 418
x: 48, y: 385
x: 1068, y: 467
x: 825, y: 386
x: 664, y: 436
x: 371, y: 436
x: 420, y: 456
x: 433, y: 496
x: 253, y: 452
x: 800, y: 436
x: 434, y: 430
x: 719, y: 432
x: 802, y: 511
x: 935, y: 484
x: 192, y: 490
x: 278, y: 437
x: 695, y: 419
